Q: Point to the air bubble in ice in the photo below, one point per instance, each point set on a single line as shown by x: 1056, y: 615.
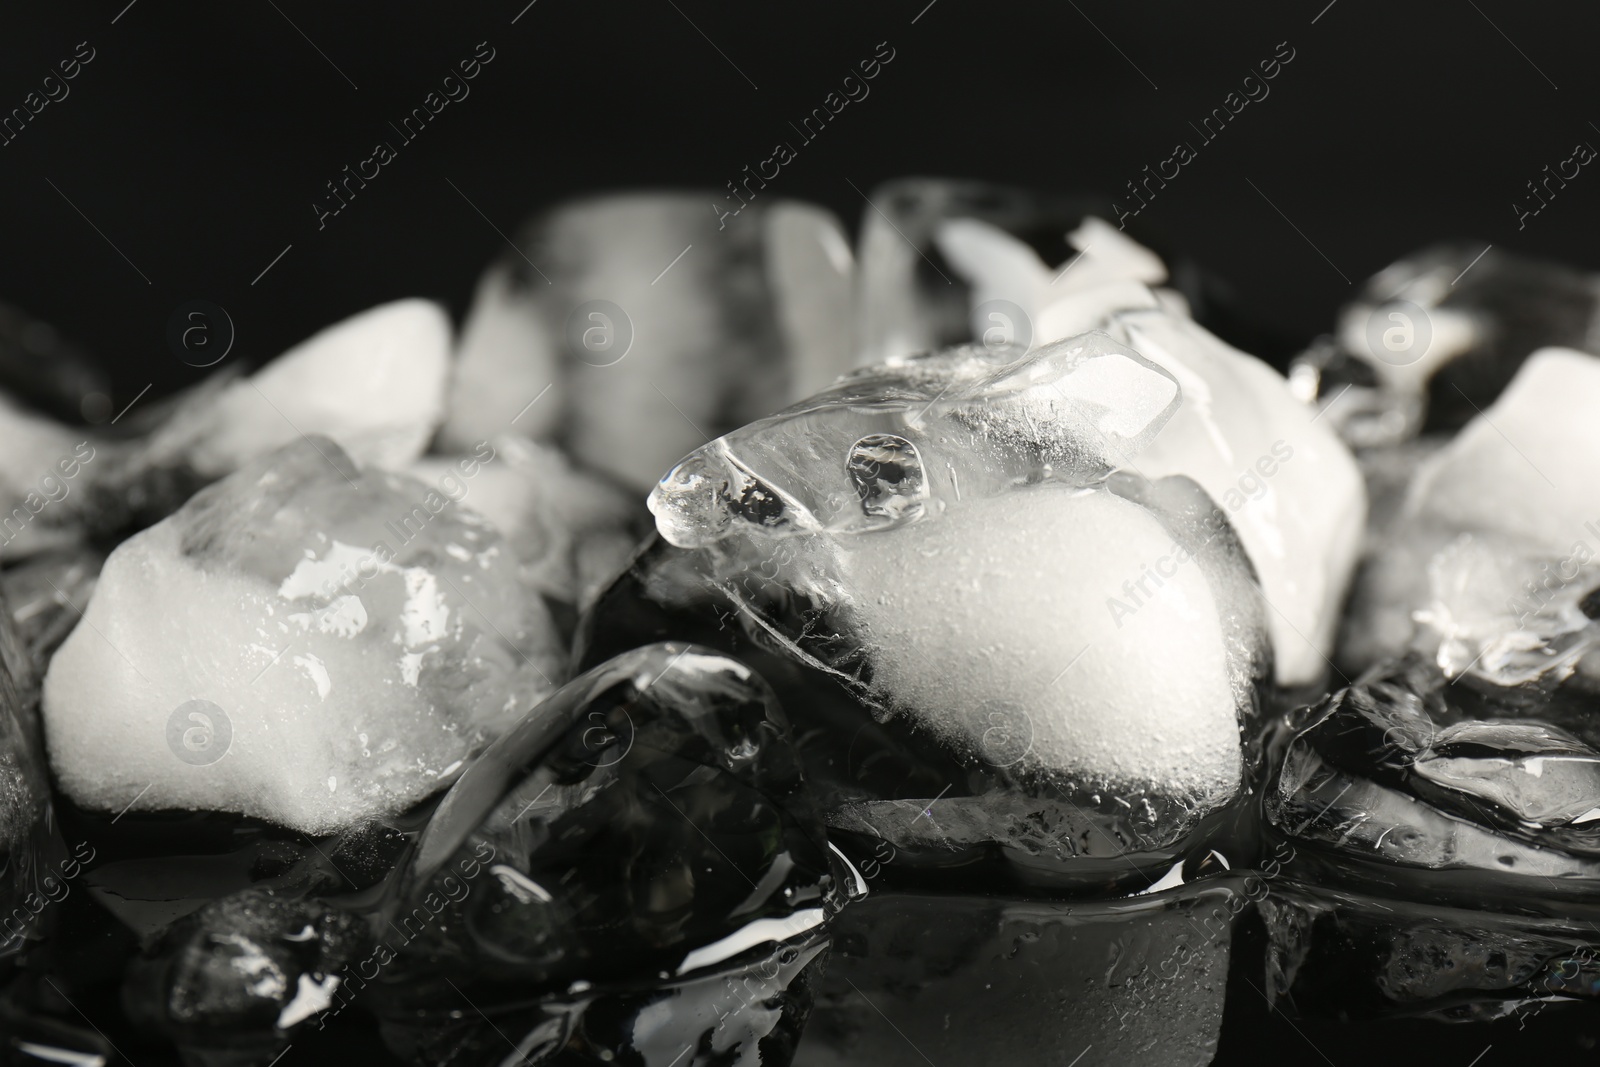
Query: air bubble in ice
x: 887, y: 474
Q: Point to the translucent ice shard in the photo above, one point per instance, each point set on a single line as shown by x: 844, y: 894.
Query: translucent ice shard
x: 629, y: 325
x: 912, y: 295
x: 571, y: 530
x: 1436, y: 336
x: 1072, y: 411
x: 1490, y: 563
x: 374, y: 383
x: 1236, y: 434
x: 614, y: 874
x: 304, y: 642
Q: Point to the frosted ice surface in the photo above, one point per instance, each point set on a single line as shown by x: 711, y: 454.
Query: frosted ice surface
x: 955, y: 516
x: 570, y: 530
x: 374, y: 383
x: 1286, y: 483
x: 986, y: 607
x: 1494, y: 551
x: 704, y: 324
x: 304, y: 642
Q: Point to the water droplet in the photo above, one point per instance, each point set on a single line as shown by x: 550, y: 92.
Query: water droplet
x: 887, y: 473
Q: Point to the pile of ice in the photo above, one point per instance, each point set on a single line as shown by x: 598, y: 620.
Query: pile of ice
x: 305, y: 642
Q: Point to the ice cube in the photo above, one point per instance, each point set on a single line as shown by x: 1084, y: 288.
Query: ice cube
x: 1287, y: 483
x: 571, y: 530
x: 1435, y: 337
x: 1451, y: 847
x: 304, y: 642
x: 637, y: 857
x: 374, y: 383
x: 648, y: 323
x: 1490, y: 561
x: 947, y: 540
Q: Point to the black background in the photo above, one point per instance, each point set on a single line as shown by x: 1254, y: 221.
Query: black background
x: 201, y: 134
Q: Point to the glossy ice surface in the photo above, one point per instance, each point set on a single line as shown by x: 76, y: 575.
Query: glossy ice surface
x: 304, y: 641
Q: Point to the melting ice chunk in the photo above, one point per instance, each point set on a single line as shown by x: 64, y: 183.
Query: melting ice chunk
x: 648, y: 824
x: 374, y: 383
x: 1406, y: 767
x: 955, y: 532
x: 299, y: 624
x: 1286, y: 483
x: 1491, y: 560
